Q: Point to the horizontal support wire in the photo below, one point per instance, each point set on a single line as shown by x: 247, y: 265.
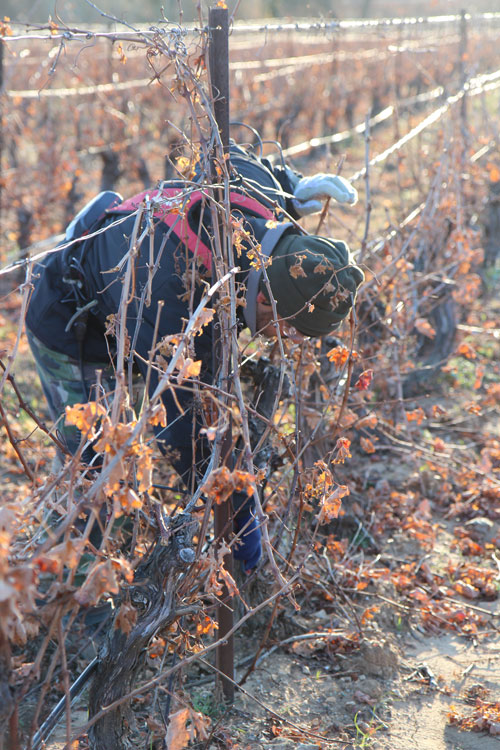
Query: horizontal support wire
x: 345, y: 135
x: 99, y: 88
x: 363, y: 24
x: 142, y: 34
x: 475, y: 86
x: 283, y: 68
x: 380, y: 243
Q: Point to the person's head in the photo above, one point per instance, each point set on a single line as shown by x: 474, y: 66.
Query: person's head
x: 314, y: 282
x: 266, y: 325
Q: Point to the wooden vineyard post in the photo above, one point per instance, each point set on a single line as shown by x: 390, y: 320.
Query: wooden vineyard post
x: 1, y: 122
x: 218, y: 59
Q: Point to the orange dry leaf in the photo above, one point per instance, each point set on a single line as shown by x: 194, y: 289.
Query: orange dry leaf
x: 466, y: 350
x: 479, y: 377
x: 367, y: 445
x: 467, y: 590
x: 84, y: 416
x: 222, y: 483
x: 417, y: 415
x: 126, y: 499
x: 437, y: 410
x: 159, y: 417
x: 342, y: 451
x: 494, y: 173
x: 331, y: 504
x: 369, y: 422
x: 369, y: 613
x: 145, y: 469
x: 473, y: 408
x: 424, y: 327
x: 177, y: 736
x: 189, y: 369
x: 271, y: 224
x: 338, y: 355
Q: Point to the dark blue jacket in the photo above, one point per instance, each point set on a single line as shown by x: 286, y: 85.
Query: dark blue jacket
x: 53, y: 303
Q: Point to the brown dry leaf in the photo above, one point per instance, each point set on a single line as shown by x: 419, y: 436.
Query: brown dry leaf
x: 189, y: 369
x: 228, y: 580
x: 200, y: 724
x: 364, y: 380
x: 204, y: 318
x: 367, y: 445
x: 68, y: 553
x: 177, y: 736
x: 439, y: 446
x: 330, y: 505
x: 369, y: 422
x: 424, y: 509
x: 424, y: 327
x: 126, y: 618
x: 296, y: 270
x: 101, y: 580
x: 342, y: 450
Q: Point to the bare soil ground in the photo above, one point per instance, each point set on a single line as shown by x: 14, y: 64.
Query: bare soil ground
x: 394, y: 691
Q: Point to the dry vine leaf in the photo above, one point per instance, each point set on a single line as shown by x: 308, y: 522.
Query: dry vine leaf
x: 466, y: 350
x: 341, y: 450
x: 424, y: 327
x: 338, y: 355
x: 331, y: 504
x: 369, y: 422
x: 416, y: 415
x: 189, y: 369
x: 364, y: 380
x: 84, y: 416
x: 177, y: 736
x: 367, y: 445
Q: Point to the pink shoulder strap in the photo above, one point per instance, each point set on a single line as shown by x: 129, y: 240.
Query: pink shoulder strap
x: 174, y: 213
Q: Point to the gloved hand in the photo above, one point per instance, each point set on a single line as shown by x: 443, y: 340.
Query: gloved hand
x: 248, y: 548
x: 310, y: 192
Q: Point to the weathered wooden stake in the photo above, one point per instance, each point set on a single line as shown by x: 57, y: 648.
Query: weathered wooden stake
x: 218, y: 61
x: 1, y: 121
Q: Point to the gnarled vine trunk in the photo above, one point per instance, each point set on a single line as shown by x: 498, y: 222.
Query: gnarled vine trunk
x: 152, y: 597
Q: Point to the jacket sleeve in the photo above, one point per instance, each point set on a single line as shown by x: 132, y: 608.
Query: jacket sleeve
x: 283, y: 176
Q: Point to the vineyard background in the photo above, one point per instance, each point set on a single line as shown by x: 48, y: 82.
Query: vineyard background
x: 407, y: 578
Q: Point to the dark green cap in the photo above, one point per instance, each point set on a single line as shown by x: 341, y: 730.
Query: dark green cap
x: 314, y: 282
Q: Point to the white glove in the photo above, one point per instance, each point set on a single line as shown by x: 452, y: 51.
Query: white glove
x: 310, y: 192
